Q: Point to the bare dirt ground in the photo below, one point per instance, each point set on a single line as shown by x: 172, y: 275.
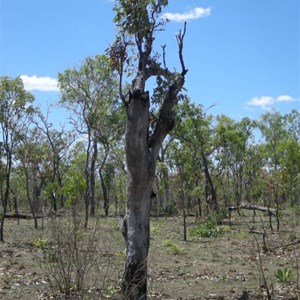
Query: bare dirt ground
x: 225, y: 267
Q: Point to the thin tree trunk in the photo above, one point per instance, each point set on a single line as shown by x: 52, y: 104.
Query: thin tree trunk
x: 277, y: 209
x: 115, y: 196
x: 2, y: 223
x: 6, y: 193
x: 214, y: 202
x: 30, y: 201
x: 61, y: 185
x: 199, y: 206
x: 167, y: 204
x: 87, y: 171
x: 165, y: 176
x: 105, y: 193
x: 15, y: 203
x: 92, y: 177
x: 184, y: 220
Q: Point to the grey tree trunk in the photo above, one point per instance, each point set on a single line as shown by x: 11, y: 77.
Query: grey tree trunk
x: 92, y: 177
x: 213, y: 203
x: 136, y: 234
x: 104, y: 192
x: 141, y: 170
x: 142, y: 150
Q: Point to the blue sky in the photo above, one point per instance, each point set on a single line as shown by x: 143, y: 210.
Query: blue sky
x: 242, y: 55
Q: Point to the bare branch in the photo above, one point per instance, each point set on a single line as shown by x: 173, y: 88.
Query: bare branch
x: 180, y: 38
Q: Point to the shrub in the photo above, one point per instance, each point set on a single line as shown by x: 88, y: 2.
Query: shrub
x: 68, y: 262
x: 204, y: 230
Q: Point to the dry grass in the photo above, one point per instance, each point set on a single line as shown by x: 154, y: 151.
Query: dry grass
x: 224, y: 267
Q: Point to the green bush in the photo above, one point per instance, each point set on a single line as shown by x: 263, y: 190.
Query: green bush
x: 211, y: 227
x: 204, y: 230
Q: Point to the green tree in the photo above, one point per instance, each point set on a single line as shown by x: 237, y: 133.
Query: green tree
x: 59, y: 142
x: 293, y: 124
x: 33, y: 156
x: 195, y: 130
x: 138, y: 22
x: 232, y: 140
x: 90, y: 93
x: 75, y: 181
x: 15, y: 112
x: 274, y: 130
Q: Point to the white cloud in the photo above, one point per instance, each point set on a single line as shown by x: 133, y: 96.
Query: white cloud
x: 196, y: 13
x: 285, y: 98
x: 263, y: 101
x: 266, y: 102
x: 44, y: 84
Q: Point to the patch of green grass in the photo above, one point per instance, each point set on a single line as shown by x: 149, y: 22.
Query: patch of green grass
x: 211, y: 227
x: 172, y: 248
x: 284, y: 276
x: 111, y: 291
x: 116, y: 225
x: 121, y: 254
x: 203, y: 230
x: 40, y: 244
x: 242, y: 236
x: 155, y: 229
x: 296, y: 211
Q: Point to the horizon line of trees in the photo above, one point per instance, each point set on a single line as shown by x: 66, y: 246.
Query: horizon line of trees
x: 206, y: 163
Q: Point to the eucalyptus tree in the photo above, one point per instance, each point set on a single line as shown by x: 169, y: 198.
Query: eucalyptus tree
x: 75, y: 184
x: 112, y: 173
x: 195, y: 130
x: 253, y: 173
x: 138, y: 22
x: 232, y: 139
x: 33, y: 157
x: 59, y: 142
x: 289, y: 172
x: 163, y: 174
x: 289, y: 158
x: 293, y: 124
x: 273, y: 128
x: 90, y: 94
x: 111, y: 155
x: 15, y: 112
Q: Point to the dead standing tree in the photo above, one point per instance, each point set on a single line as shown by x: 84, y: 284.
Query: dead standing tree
x: 138, y: 22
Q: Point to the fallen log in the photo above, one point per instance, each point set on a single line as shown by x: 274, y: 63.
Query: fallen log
x: 29, y: 216
x: 256, y: 232
x: 21, y: 216
x: 289, y: 244
x: 271, y: 211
